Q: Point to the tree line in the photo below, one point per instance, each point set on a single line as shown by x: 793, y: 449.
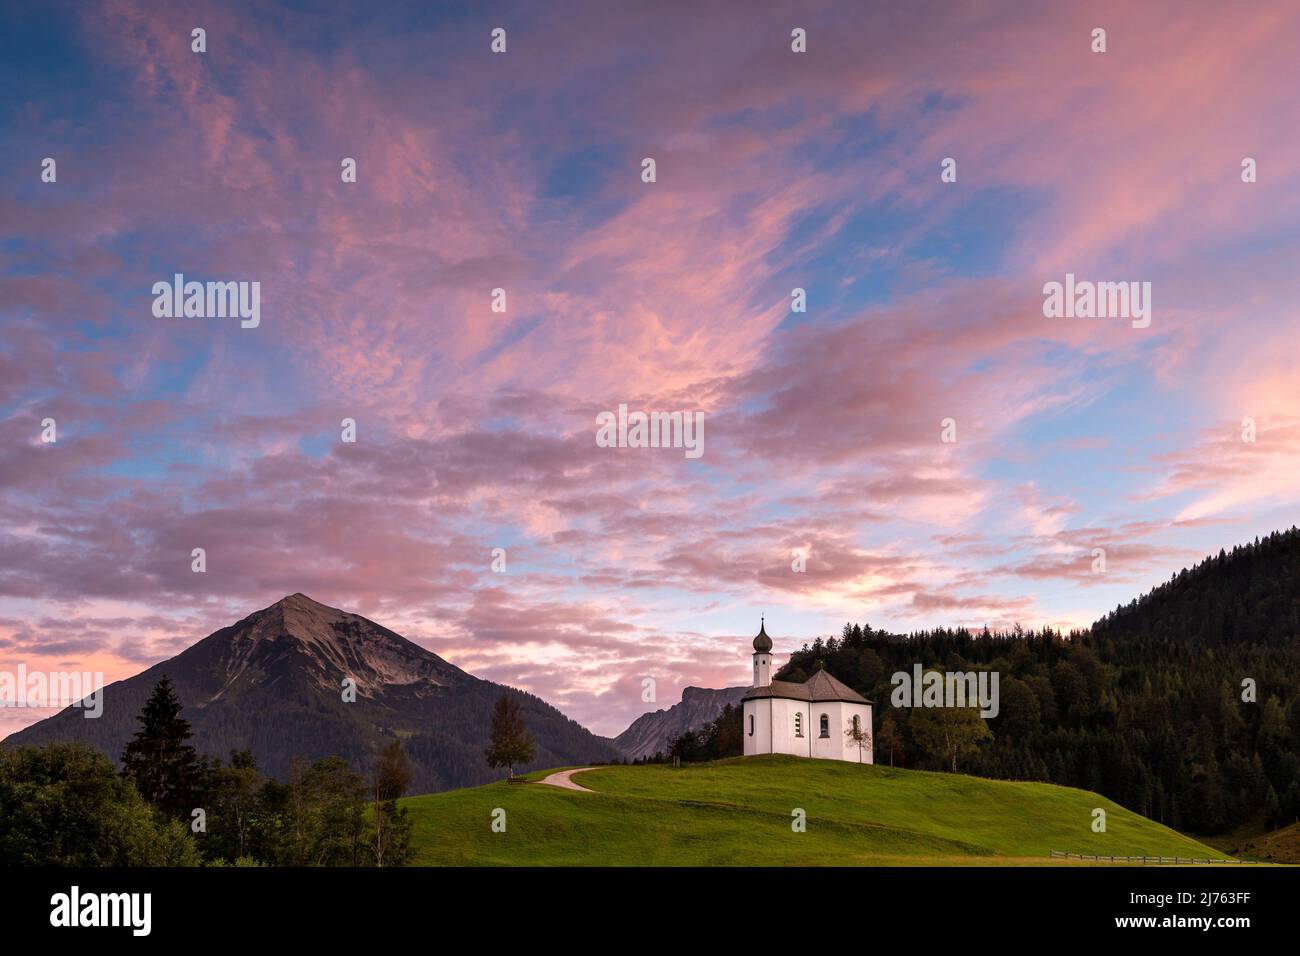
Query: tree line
x: 1156, y: 724
x: 1181, y: 705
x: 66, y: 804
x: 1161, y: 725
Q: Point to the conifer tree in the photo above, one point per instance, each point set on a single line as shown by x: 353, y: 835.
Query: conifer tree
x: 511, y: 743
x: 164, y: 767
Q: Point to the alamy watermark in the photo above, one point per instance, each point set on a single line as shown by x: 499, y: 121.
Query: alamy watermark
x: 24, y: 688
x: 74, y: 908
x: 1081, y: 299
x: 208, y: 300
x: 651, y: 430
x: 923, y: 688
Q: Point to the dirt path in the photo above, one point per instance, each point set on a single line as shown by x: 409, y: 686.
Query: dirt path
x: 565, y: 779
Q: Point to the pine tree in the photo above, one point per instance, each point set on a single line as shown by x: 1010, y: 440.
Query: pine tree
x: 511, y: 743
x: 164, y: 767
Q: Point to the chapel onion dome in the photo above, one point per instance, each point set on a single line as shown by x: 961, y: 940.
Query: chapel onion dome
x: 762, y: 643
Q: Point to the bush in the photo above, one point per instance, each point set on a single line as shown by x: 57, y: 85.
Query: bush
x: 66, y: 805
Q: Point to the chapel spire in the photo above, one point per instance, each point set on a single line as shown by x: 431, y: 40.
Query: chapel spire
x: 762, y: 656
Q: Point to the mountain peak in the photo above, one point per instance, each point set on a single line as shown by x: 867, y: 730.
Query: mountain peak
x: 301, y: 617
x: 300, y: 636
x: 300, y: 600
x: 273, y: 682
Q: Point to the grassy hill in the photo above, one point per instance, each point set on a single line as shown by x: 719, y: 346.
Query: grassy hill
x: 1272, y: 846
x: 738, y: 812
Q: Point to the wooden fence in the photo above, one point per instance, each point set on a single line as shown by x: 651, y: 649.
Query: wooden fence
x: 1173, y: 860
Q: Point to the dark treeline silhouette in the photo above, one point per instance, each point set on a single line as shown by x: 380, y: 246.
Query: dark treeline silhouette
x: 67, y: 805
x: 1147, y: 708
x: 1150, y: 707
x: 1249, y: 595
x: 1156, y: 724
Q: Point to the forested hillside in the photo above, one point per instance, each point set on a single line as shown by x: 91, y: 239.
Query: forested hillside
x: 1147, y: 708
x: 1249, y: 595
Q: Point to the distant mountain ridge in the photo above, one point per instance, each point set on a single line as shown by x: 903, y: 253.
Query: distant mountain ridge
x: 273, y: 682
x: 650, y: 733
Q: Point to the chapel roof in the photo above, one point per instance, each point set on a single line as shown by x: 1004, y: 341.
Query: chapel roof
x: 819, y: 688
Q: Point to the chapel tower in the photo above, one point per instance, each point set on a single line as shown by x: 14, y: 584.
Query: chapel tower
x: 762, y: 657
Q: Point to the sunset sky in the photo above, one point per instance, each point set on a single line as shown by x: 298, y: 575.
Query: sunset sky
x: 522, y: 170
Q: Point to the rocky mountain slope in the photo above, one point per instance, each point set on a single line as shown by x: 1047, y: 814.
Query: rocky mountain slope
x: 649, y: 734
x: 273, y: 682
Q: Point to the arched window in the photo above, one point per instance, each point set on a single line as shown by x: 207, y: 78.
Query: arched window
x: 798, y: 725
x: 751, y: 725
x: 857, y: 726
x: 826, y: 726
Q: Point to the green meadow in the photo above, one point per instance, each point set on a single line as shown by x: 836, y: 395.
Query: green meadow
x: 739, y: 812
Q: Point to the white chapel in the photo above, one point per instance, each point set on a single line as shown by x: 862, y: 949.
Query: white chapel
x: 812, y: 719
